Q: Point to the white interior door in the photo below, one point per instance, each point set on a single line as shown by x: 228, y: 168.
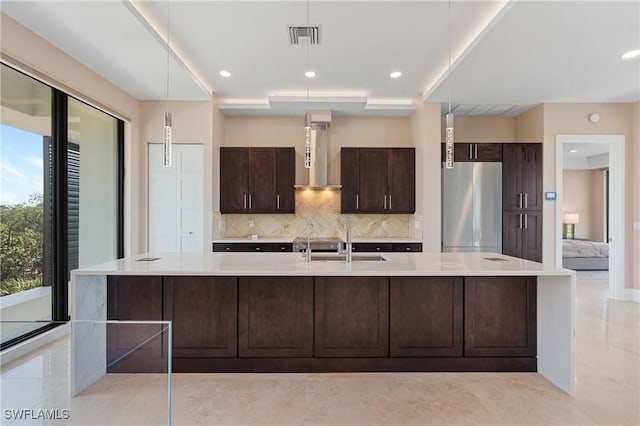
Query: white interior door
x: 176, y: 199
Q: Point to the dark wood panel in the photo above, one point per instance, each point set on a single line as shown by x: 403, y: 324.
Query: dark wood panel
x: 532, y: 236
x: 275, y: 317
x: 402, y: 180
x: 426, y: 316
x: 372, y: 247
x: 373, y: 180
x: 349, y: 179
x: 406, y: 247
x: 488, y: 152
x: 262, y: 180
x: 204, y: 314
x: 512, y: 159
x: 532, y: 175
x: 351, y: 316
x: 285, y: 179
x: 135, y: 347
x: 252, y: 247
x: 234, y: 179
x: 324, y: 365
x: 500, y: 316
x: 512, y: 233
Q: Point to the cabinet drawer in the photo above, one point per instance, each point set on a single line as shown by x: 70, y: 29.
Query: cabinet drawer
x: 372, y: 247
x: 404, y: 247
x: 251, y: 247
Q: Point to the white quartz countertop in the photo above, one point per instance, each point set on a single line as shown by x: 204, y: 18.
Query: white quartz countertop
x: 292, y: 264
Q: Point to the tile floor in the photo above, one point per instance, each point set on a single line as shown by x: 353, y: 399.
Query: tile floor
x: 608, y: 383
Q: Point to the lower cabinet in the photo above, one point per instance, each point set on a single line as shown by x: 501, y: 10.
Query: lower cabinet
x: 135, y: 347
x: 426, y: 316
x: 500, y: 316
x: 203, y: 311
x: 275, y: 317
x: 352, y: 317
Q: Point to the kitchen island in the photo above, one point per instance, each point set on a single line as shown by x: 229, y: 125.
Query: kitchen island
x: 272, y: 312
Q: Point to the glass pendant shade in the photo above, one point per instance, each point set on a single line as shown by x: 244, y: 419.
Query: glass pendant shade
x: 449, y: 143
x: 307, y: 141
x: 166, y: 143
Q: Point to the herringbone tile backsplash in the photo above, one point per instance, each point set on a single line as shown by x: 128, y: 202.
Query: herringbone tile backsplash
x: 322, y: 209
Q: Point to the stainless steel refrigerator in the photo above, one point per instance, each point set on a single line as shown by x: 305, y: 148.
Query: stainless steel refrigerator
x: 472, y: 207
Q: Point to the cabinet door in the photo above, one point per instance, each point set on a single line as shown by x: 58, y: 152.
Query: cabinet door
x: 531, y: 170
x: 373, y: 180
x: 462, y: 152
x: 275, y: 316
x: 531, y: 244
x: 500, y: 316
x: 512, y: 233
x: 402, y: 180
x: 371, y: 247
x: 234, y: 180
x: 512, y: 192
x: 349, y: 179
x: 204, y: 315
x: 135, y: 298
x: 488, y: 152
x: 406, y: 247
x: 352, y: 317
x: 426, y: 316
x: 262, y: 180
x: 285, y: 179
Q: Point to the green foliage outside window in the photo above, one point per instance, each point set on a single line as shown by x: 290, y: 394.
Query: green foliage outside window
x: 21, y: 245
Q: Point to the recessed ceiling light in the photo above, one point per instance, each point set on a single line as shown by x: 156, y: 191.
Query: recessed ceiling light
x: 395, y: 74
x: 225, y: 73
x: 631, y: 54
x: 573, y: 150
x: 310, y: 74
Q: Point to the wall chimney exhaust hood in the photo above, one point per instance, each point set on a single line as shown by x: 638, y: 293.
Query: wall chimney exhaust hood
x: 320, y: 122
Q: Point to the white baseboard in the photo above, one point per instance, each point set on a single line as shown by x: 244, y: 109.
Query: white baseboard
x: 32, y: 344
x: 632, y: 294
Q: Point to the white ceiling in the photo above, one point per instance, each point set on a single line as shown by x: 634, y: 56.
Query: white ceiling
x: 507, y: 55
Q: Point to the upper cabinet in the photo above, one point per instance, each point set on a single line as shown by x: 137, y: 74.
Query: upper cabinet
x: 257, y: 180
x: 377, y: 180
x: 522, y: 176
x: 483, y: 152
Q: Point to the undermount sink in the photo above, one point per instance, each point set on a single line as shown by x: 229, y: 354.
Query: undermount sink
x: 343, y: 257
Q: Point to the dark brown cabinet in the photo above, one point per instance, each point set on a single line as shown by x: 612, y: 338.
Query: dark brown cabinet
x: 351, y: 317
x: 252, y: 247
x: 522, y: 234
x: 500, y: 316
x: 257, y: 180
x: 483, y: 152
x: 275, y: 316
x: 204, y: 315
x: 386, y: 247
x: 426, y: 316
x: 377, y: 180
x: 522, y: 201
x: 135, y: 347
x: 522, y: 176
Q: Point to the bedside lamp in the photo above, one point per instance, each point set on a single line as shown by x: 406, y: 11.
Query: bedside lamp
x: 569, y: 229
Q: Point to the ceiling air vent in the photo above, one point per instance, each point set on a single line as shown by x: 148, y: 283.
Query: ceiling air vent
x: 303, y: 35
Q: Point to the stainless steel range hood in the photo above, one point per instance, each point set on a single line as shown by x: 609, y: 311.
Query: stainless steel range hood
x: 319, y: 152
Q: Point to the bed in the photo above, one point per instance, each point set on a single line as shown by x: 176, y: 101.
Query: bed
x: 585, y: 255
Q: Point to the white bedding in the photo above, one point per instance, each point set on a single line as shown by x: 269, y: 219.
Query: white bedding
x: 582, y: 248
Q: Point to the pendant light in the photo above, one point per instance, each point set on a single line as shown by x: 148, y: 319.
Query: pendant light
x: 167, y: 136
x: 307, y: 115
x: 449, y: 137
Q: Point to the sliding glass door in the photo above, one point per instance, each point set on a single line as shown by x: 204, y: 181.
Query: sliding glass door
x: 61, y: 197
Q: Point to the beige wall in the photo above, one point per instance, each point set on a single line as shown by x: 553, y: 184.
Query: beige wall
x: 30, y: 53
x: 192, y: 123
x: 583, y: 194
x: 634, y: 201
x: 482, y: 129
x: 529, y: 126
x: 572, y: 119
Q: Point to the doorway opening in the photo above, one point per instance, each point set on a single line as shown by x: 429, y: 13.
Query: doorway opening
x: 615, y: 207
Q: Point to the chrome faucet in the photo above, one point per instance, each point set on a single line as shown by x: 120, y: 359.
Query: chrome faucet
x: 307, y: 251
x: 349, y: 246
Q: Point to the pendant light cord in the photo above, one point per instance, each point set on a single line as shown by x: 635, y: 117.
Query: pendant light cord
x: 308, y: 46
x: 449, y: 72
x: 167, y: 45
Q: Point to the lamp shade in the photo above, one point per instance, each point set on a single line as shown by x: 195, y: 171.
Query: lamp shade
x: 571, y: 218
